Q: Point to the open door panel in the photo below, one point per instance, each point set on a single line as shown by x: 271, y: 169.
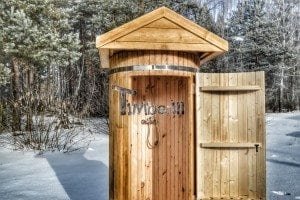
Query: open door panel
x: 230, y: 136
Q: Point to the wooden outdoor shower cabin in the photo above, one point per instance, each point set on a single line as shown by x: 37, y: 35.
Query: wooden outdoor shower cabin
x: 175, y: 133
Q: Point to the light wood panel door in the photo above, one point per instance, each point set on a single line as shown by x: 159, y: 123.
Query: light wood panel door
x: 230, y: 136
x: 159, y: 139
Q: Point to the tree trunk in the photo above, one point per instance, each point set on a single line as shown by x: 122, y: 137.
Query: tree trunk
x: 15, y: 85
x: 29, y: 82
x: 281, y: 90
x: 2, y: 121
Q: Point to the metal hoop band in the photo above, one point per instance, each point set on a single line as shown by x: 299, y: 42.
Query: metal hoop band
x: 153, y: 67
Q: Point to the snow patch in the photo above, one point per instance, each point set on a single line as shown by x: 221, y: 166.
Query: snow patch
x: 281, y: 193
x: 90, y: 149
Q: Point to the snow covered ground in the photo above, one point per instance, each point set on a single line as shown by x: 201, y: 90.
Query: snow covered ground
x: 283, y: 156
x: 83, y: 175
x: 80, y: 175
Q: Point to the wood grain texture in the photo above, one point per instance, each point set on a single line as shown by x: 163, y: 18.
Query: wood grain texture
x: 137, y: 171
x: 158, y: 45
x: 230, y: 123
x: 165, y: 158
x: 162, y: 35
x: 158, y: 14
x: 191, y: 138
x: 151, y: 57
x: 216, y: 137
x: 161, y: 29
x: 163, y: 23
x: 229, y: 145
x: 233, y: 136
x: 230, y: 88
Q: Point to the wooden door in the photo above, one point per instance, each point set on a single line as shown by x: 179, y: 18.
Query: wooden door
x: 230, y: 136
x: 159, y: 141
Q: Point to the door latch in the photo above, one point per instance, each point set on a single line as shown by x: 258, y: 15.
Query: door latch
x: 256, y: 147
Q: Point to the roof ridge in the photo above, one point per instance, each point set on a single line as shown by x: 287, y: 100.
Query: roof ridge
x: 112, y: 40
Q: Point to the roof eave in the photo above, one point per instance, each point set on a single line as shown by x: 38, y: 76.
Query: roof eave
x: 108, y: 41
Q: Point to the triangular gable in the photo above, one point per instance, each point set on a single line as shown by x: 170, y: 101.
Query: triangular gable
x: 163, y: 23
x: 161, y: 29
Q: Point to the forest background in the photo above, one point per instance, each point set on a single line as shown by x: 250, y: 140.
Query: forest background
x: 50, y: 67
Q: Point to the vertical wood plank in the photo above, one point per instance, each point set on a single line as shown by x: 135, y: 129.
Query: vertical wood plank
x: 122, y: 145
x: 242, y: 138
x: 184, y: 185
x: 149, y: 163
x: 164, y: 134
x: 159, y: 162
x: 158, y: 57
x: 216, y: 137
x: 134, y: 142
x: 142, y: 138
x: 146, y: 58
x: 129, y: 128
x: 233, y: 137
x: 176, y: 137
x: 251, y: 136
x: 189, y: 128
x: 190, y: 115
x: 150, y: 153
x: 164, y: 57
x: 111, y: 138
x: 224, y: 138
x: 127, y: 154
x: 185, y: 145
x: 207, y: 137
x: 118, y: 188
x: 175, y: 133
x: 172, y: 95
x: 140, y: 169
x: 180, y: 138
x: 260, y: 137
x: 149, y: 137
x: 169, y: 136
x: 199, y: 136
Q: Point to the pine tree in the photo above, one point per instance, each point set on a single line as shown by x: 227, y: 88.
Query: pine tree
x: 252, y: 37
x: 34, y: 35
x: 254, y: 40
x: 285, y: 16
x: 90, y: 18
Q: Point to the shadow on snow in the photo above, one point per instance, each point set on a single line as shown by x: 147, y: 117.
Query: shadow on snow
x: 292, y: 164
x: 81, y: 178
x: 294, y: 134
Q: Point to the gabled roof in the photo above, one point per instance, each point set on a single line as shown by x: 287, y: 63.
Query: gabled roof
x: 161, y: 29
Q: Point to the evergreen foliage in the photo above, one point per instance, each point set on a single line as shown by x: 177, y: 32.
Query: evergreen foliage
x: 48, y: 59
x: 37, y: 32
x: 258, y: 41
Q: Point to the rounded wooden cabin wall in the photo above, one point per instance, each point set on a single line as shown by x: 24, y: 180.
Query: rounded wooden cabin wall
x: 127, y: 180
x: 148, y: 57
